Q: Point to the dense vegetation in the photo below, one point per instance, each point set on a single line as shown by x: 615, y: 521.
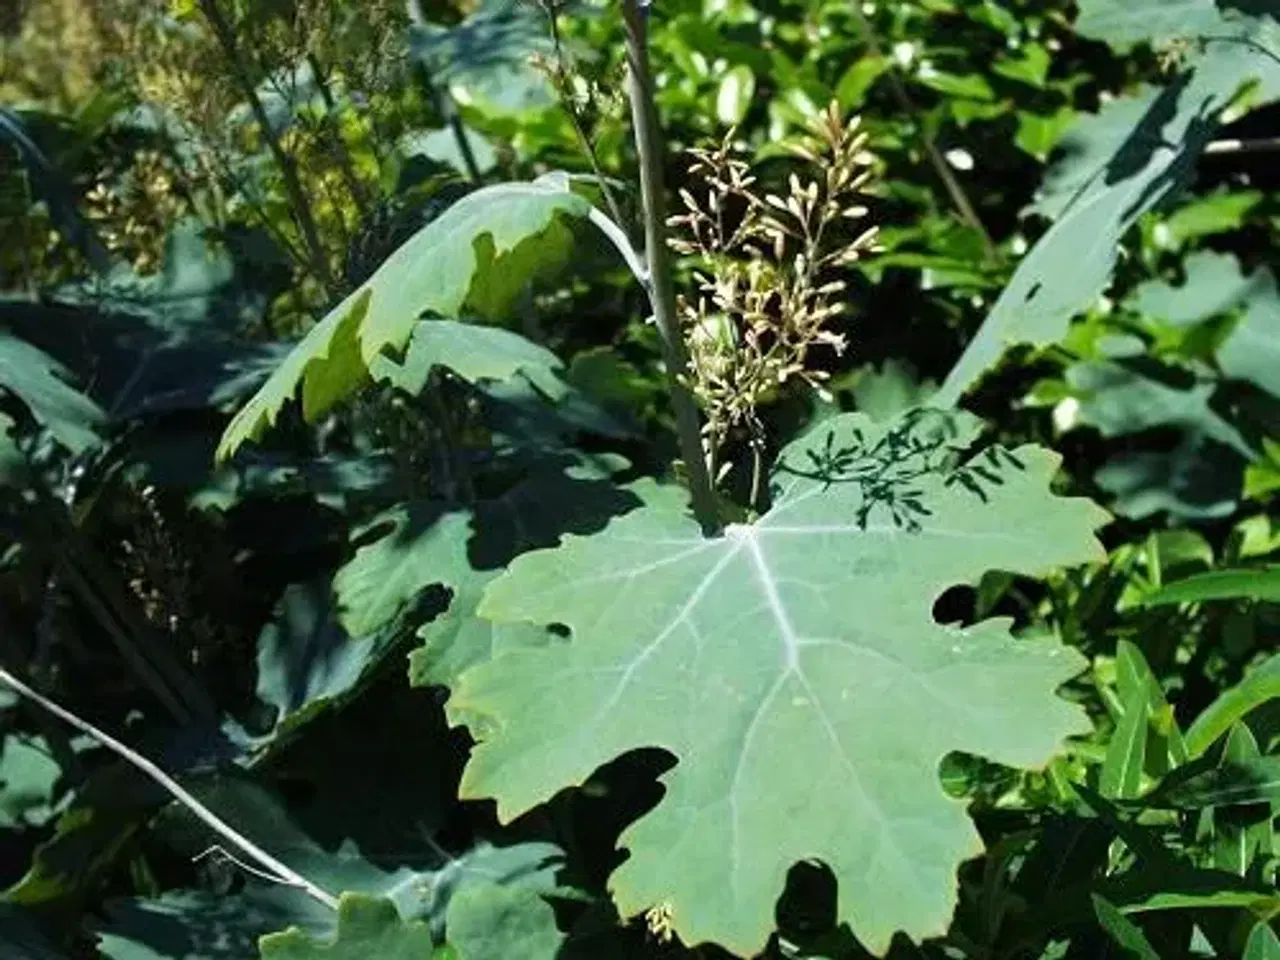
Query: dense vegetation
x: 497, y: 479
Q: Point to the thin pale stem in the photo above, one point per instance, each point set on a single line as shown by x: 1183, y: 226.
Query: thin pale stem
x: 614, y: 233
x: 963, y: 205
x: 648, y: 137
x: 275, y: 869
x: 589, y: 148
x: 1228, y: 146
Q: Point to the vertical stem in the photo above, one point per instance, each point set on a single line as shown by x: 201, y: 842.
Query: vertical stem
x: 442, y: 101
x: 757, y: 473
x: 319, y: 262
x: 648, y: 137
x: 571, y: 111
x: 968, y: 213
x: 333, y: 126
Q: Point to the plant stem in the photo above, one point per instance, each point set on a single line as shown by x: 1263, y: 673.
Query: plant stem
x: 1226, y: 146
x: 757, y: 473
x: 319, y: 261
x: 333, y: 126
x: 443, y: 103
x: 648, y: 137
x: 571, y: 111
x: 963, y: 205
x: 275, y: 869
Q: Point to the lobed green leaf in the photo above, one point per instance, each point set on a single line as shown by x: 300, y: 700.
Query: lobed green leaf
x: 795, y: 670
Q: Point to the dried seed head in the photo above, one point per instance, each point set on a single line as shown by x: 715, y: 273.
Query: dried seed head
x: 765, y: 260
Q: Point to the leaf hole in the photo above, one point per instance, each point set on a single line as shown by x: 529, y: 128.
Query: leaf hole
x: 808, y: 907
x: 958, y: 606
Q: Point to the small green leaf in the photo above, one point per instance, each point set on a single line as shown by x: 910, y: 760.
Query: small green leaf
x: 29, y: 775
x: 1123, y: 930
x: 1218, y: 212
x: 367, y: 927
x: 733, y: 99
x: 1039, y: 133
x: 1121, y: 776
x: 857, y: 81
x: 1260, y: 685
x: 1165, y: 746
x: 1030, y: 66
x: 1261, y: 583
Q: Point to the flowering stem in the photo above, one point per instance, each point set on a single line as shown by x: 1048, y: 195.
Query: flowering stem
x: 648, y: 137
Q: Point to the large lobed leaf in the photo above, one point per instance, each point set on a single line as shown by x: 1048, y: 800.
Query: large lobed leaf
x: 795, y: 670
x: 1133, y: 156
x: 1125, y: 23
x: 475, y: 257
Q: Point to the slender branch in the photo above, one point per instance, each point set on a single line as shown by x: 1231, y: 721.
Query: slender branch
x: 276, y: 869
x: 648, y: 137
x: 319, y: 261
x: 963, y: 205
x: 442, y: 101
x: 616, y: 236
x: 552, y: 11
x: 333, y: 126
x: 757, y: 473
x: 1228, y: 146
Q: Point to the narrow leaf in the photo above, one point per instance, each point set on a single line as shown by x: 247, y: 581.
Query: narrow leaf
x: 1121, y: 776
x: 1262, y: 583
x: 1123, y: 930
x: 1258, y: 687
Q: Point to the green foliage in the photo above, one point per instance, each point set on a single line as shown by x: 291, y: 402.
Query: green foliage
x: 367, y: 927
x: 1129, y: 159
x: 474, y: 258
x: 493, y: 921
x: 39, y: 382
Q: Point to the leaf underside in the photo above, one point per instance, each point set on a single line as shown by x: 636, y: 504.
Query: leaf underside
x: 1133, y: 156
x: 473, y: 258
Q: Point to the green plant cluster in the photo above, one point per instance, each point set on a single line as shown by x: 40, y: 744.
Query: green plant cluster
x: 427, y: 532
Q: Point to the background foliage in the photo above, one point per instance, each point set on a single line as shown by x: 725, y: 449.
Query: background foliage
x: 1075, y: 202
